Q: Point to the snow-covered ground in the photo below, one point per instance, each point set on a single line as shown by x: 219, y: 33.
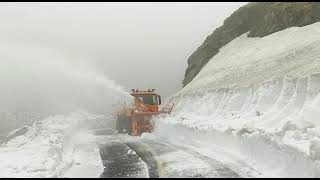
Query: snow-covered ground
x: 259, y: 99
x: 51, y: 148
x: 254, y: 107
x: 86, y: 158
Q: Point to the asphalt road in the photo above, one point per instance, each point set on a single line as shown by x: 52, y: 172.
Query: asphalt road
x: 124, y: 157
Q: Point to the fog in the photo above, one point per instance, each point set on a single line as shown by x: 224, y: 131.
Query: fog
x: 59, y: 57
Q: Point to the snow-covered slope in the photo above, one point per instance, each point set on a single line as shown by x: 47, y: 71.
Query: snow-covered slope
x: 49, y: 148
x: 245, y: 61
x: 263, y: 91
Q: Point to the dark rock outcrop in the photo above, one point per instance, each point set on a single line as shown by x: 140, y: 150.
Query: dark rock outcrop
x: 260, y: 19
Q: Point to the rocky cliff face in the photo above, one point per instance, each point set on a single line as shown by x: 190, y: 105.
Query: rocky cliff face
x: 260, y: 19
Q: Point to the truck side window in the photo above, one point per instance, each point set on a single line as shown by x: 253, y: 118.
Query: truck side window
x: 140, y: 98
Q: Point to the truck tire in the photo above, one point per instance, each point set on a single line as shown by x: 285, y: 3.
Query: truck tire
x: 123, y: 122
x: 119, y: 126
x: 128, y: 125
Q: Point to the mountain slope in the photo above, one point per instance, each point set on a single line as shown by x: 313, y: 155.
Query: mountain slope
x: 259, y: 19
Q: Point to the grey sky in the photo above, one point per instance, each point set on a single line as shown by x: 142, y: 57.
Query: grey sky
x: 139, y: 45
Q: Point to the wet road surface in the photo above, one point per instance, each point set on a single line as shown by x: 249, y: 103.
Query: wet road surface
x: 118, y: 162
x: 150, y: 158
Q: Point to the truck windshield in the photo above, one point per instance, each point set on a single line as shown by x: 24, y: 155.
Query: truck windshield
x: 148, y: 99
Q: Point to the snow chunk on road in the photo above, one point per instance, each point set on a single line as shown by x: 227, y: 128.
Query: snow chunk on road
x: 130, y: 152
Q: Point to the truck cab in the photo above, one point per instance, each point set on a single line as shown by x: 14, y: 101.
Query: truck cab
x: 146, y: 101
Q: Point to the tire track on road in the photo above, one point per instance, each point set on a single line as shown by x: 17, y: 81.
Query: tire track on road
x: 222, y: 169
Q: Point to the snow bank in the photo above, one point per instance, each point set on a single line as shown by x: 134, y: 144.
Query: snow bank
x: 45, y: 150
x: 261, y: 151
x: 261, y: 94
x: 86, y: 157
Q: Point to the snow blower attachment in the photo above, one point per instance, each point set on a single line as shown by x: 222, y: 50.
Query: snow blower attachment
x: 136, y: 119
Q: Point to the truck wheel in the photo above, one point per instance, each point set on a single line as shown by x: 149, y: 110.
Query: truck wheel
x: 123, y: 122
x: 119, y: 122
x: 127, y: 125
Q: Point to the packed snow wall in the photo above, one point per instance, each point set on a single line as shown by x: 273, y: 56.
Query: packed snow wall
x: 260, y: 96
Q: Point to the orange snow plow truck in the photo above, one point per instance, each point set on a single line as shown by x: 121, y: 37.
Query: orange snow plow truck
x: 135, y: 119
